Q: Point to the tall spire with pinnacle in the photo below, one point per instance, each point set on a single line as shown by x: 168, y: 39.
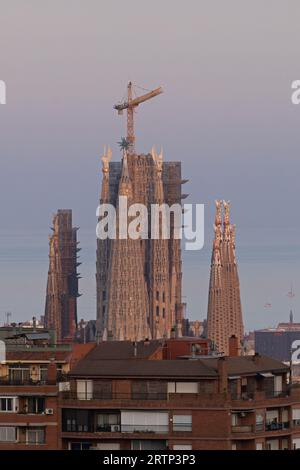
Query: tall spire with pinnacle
x: 224, y: 317
x: 160, y: 293
x: 128, y: 308
x: 102, y: 259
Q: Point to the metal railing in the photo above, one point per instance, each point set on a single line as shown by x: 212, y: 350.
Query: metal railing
x: 242, y: 396
x: 244, y: 428
x: 7, y: 380
x: 276, y: 426
x: 116, y: 428
x: 253, y: 395
x: 71, y: 395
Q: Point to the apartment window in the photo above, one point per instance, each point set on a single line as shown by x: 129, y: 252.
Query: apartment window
x: 163, y: 296
x: 296, y: 443
x: 148, y: 390
x: 7, y: 404
x: 296, y: 416
x: 102, y: 389
x: 84, y: 389
x: 206, y: 386
x: 19, y: 374
x: 272, y: 444
x: 182, y: 447
x: 35, y: 405
x: 145, y: 421
x: 43, y: 373
x: 157, y: 295
x: 182, y: 422
x: 8, y: 434
x: 107, y: 446
x: 183, y: 387
x: 80, y: 445
x: 234, y: 419
x: 278, y: 384
x: 157, y: 311
x: 108, y: 422
x: 148, y: 445
x: 35, y: 436
x: 259, y: 422
x: 77, y: 420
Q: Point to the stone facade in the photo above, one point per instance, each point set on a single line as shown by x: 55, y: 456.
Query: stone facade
x: 224, y: 317
x: 139, y: 281
x: 62, y: 285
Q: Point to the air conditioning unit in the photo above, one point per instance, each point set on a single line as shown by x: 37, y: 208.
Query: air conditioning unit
x: 49, y: 411
x: 115, y: 428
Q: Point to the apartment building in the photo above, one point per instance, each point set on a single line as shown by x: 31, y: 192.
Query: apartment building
x: 29, y: 413
x: 121, y: 397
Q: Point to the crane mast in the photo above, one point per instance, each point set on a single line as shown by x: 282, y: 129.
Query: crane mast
x: 130, y: 105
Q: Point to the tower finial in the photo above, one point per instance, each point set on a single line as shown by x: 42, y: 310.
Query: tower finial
x: 218, y: 218
x: 106, y: 157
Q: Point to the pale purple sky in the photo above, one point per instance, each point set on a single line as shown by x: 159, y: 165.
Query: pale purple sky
x: 226, y: 68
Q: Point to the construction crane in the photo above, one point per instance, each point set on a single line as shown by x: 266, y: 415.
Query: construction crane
x: 130, y: 104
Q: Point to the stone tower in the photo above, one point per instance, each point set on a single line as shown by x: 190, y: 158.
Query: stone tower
x: 224, y: 316
x: 62, y: 285
x: 139, y: 281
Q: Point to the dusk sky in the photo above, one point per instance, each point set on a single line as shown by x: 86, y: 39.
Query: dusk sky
x: 226, y: 113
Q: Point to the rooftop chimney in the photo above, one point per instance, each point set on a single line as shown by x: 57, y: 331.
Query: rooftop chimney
x: 234, y: 349
x: 223, y: 375
x: 51, y: 372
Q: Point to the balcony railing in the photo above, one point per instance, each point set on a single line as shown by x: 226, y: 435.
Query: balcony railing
x: 69, y: 395
x: 268, y: 394
x: 275, y: 426
x: 32, y: 443
x: 242, y: 396
x: 276, y: 393
x: 117, y: 428
x: 242, y: 428
x: 26, y: 381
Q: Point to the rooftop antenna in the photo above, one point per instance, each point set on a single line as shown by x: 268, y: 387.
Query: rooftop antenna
x: 291, y: 295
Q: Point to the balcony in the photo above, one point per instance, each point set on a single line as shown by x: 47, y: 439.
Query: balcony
x: 69, y: 395
x: 260, y: 395
x: 276, y: 426
x: 242, y: 429
x: 242, y: 396
x: 117, y: 428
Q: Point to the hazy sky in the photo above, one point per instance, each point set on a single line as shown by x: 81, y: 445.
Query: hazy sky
x: 226, y: 113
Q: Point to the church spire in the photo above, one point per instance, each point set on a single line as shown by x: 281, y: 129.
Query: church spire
x: 224, y: 316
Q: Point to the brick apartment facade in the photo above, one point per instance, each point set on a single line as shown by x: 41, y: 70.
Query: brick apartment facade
x: 29, y: 413
x: 147, y: 395
x: 120, y: 397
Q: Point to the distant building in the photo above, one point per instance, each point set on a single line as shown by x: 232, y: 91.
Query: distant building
x: 62, y: 285
x: 282, y: 343
x: 224, y: 316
